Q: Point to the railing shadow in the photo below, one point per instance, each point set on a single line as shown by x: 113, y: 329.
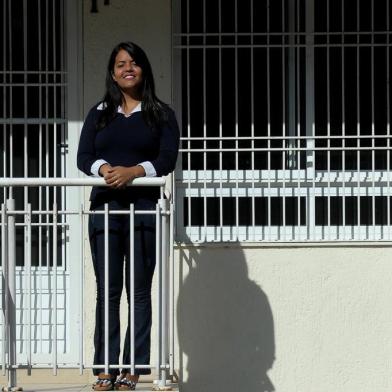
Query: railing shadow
x: 225, y: 324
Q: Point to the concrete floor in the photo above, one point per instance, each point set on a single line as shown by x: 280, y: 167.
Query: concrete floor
x: 146, y: 387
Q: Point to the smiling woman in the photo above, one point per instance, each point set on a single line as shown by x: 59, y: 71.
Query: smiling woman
x: 130, y: 134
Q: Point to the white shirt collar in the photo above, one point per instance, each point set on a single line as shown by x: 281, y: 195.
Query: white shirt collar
x: 137, y: 108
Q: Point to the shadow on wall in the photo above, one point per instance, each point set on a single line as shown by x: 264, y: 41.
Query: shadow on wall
x: 225, y: 325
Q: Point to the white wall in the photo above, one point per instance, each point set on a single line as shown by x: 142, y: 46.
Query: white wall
x: 321, y: 316
x: 145, y: 22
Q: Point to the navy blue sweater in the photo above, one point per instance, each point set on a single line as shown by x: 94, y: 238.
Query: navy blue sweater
x: 127, y: 141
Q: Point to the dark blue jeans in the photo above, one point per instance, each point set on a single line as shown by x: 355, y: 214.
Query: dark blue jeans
x: 144, y: 251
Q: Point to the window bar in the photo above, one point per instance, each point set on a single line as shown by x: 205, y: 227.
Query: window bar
x: 204, y: 126
x: 298, y: 143
x: 343, y: 127
x: 268, y: 125
x: 28, y: 283
x: 81, y: 289
x: 189, y: 198
x: 236, y: 235
x: 132, y: 286
x: 10, y: 151
x: 40, y: 172
x: 106, y: 283
x: 54, y: 278
x: 310, y: 131
x: 372, y: 69
x: 47, y: 157
x: 220, y: 122
x: 252, y: 130
x: 55, y: 124
x: 328, y: 125
x: 358, y: 132
x: 388, y: 48
x: 25, y: 103
x: 282, y: 191
x: 62, y: 128
x: 4, y: 98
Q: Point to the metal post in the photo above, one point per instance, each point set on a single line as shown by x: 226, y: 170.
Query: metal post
x: 163, y: 293
x: 11, y: 296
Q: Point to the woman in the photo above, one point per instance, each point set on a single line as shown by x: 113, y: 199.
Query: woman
x: 130, y: 134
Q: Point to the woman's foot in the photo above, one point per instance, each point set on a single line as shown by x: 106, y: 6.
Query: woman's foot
x: 105, y: 382
x: 126, y: 382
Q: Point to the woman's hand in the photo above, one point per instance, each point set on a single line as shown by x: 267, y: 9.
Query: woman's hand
x: 119, y: 176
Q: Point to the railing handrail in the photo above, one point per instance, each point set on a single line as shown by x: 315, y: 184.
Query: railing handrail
x: 87, y: 181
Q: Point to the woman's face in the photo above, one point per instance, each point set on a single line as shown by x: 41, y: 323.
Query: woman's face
x: 126, y: 73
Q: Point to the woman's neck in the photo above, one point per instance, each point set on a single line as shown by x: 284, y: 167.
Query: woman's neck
x: 129, y: 103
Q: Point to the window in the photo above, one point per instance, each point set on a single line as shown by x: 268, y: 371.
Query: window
x: 33, y: 111
x: 285, y: 110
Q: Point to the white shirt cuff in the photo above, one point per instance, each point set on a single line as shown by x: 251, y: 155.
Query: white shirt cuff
x: 148, y: 168
x: 95, y: 167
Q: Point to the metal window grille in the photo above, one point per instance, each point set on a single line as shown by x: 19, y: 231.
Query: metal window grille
x: 33, y: 144
x: 285, y: 109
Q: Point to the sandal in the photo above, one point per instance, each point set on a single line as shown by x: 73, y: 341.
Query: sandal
x: 125, y: 382
x: 105, y: 382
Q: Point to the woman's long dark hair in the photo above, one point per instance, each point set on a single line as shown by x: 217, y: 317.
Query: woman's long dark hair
x: 154, y: 111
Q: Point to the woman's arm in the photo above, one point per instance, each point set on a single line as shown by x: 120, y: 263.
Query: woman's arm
x: 86, y: 151
x: 165, y: 162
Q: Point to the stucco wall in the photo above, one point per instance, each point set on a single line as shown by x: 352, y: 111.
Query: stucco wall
x: 290, y: 319
x: 145, y: 22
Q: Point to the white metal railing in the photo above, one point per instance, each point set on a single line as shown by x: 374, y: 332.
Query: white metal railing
x: 26, y: 288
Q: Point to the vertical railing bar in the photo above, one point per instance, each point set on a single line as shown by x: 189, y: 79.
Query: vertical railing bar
x: 4, y: 286
x: 282, y: 230
x: 28, y: 285
x: 11, y: 293
x: 54, y: 278
x: 328, y: 124
x: 159, y: 280
x: 106, y: 300
x: 163, y: 246
x: 343, y: 126
x: 132, y: 286
x: 171, y: 290
x: 81, y: 288
x: 205, y: 212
